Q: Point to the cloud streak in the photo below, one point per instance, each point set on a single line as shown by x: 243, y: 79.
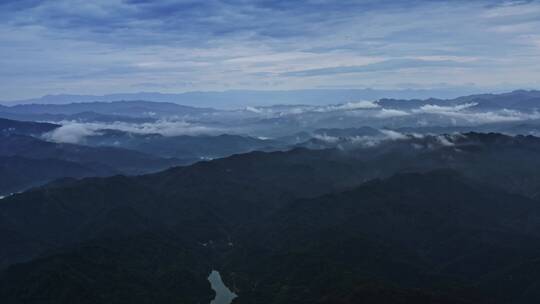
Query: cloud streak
x: 387, y: 65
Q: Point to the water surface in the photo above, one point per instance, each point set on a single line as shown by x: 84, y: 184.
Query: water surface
x: 223, y: 294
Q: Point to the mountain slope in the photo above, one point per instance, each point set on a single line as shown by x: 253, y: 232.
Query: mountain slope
x: 146, y: 269
x: 122, y: 160
x: 435, y: 233
x: 27, y: 162
x: 303, y: 226
x: 184, y: 146
x: 19, y: 173
x: 413, y: 238
x: 225, y: 194
x: 8, y: 127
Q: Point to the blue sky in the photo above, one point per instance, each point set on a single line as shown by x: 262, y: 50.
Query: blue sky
x: 112, y: 46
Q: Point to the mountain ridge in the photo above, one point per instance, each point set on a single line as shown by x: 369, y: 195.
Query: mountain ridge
x: 242, y: 98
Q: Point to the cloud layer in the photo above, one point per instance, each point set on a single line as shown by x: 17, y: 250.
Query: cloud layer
x: 284, y: 120
x: 108, y: 46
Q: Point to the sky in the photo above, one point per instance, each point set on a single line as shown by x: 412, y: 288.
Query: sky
x: 115, y: 46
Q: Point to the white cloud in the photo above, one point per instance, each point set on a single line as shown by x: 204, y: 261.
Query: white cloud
x: 462, y: 114
x: 356, y: 105
x: 326, y: 138
x: 387, y: 113
x: 393, y: 135
x: 436, y: 109
x: 444, y: 141
x: 113, y: 46
x: 254, y: 110
x: 277, y: 111
x: 75, y: 132
x: 70, y: 133
x: 496, y: 116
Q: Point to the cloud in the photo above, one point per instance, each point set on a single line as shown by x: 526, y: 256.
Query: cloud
x: 387, y: 113
x: 393, y: 135
x: 387, y: 65
x: 436, y: 109
x: 113, y: 46
x: 463, y: 113
x: 254, y: 110
x: 70, y: 133
x: 368, y: 112
x: 327, y: 138
x: 417, y: 141
x: 443, y: 140
x: 279, y: 111
x: 386, y: 135
x: 75, y: 132
x: 355, y: 105
x: 495, y: 116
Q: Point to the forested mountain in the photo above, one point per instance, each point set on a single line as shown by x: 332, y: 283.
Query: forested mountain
x: 8, y: 127
x: 28, y: 161
x: 194, y: 147
x: 412, y: 220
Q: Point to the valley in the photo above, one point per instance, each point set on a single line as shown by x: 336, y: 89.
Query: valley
x: 325, y: 215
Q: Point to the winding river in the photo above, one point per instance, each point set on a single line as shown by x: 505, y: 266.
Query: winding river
x: 223, y: 294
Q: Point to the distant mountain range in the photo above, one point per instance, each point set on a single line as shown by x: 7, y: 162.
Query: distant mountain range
x: 242, y: 98
x: 371, y: 201
x: 516, y: 112
x: 100, y: 111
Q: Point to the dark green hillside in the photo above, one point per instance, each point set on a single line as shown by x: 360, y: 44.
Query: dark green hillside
x: 416, y: 220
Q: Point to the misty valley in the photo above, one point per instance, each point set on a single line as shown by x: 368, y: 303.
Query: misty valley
x: 383, y: 201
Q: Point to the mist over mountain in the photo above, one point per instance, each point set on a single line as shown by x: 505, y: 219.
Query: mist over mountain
x: 379, y: 201
x: 514, y: 113
x: 27, y: 160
